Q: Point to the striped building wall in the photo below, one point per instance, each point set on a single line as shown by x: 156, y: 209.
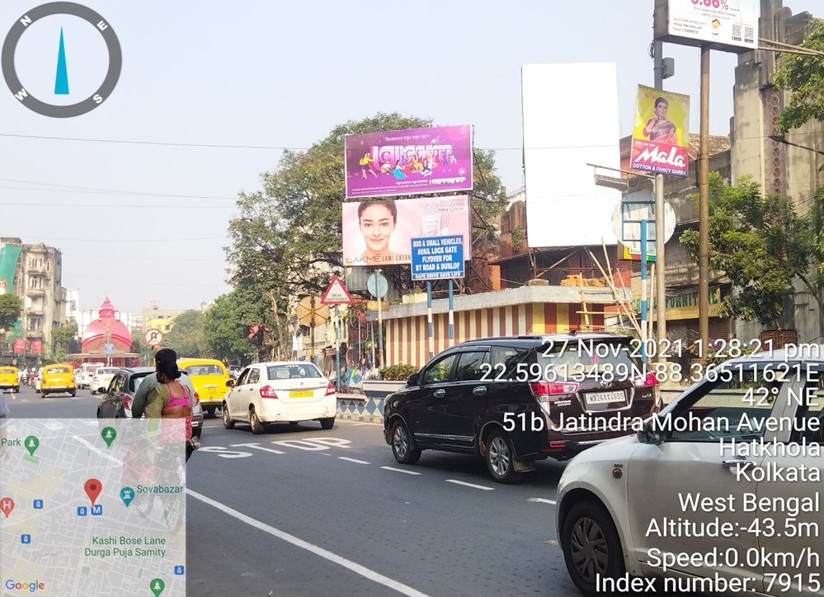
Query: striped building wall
x: 407, y: 342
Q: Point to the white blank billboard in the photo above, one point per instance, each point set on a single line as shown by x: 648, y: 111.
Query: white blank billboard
x: 570, y: 118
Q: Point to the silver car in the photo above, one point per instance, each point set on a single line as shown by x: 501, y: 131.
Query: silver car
x: 117, y: 401
x: 720, y: 492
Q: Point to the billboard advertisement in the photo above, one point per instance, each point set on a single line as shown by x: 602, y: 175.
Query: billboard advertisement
x: 728, y: 25
x: 36, y: 346
x: 380, y: 232
x: 660, y: 136
x: 19, y: 346
x: 570, y: 119
x: 409, y: 162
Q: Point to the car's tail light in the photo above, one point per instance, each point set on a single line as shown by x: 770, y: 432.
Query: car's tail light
x: 644, y: 382
x: 330, y: 389
x: 268, y: 392
x: 551, y: 388
x: 197, y: 398
x: 127, y: 401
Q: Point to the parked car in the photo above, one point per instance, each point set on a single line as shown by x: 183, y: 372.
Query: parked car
x: 271, y: 392
x: 101, y: 379
x: 517, y: 400
x: 116, y: 403
x: 209, y: 377
x: 9, y: 379
x: 57, y: 379
x: 721, y: 487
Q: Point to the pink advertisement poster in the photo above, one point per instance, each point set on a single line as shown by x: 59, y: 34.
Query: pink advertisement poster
x: 380, y: 231
x: 436, y: 159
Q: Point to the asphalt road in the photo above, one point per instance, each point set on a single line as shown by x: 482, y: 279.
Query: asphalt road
x: 299, y: 511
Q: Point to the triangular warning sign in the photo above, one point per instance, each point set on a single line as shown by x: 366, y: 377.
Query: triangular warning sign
x: 336, y: 293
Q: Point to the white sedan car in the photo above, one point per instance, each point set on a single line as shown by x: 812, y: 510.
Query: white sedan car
x: 101, y: 379
x: 720, y: 492
x: 272, y: 392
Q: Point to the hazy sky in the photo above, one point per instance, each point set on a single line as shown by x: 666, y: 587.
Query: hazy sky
x: 211, y: 92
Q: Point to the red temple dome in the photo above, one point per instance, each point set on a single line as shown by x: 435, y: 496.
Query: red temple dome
x: 106, y: 329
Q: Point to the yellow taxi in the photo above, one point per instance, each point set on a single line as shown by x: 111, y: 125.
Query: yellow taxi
x: 209, y: 377
x: 9, y: 379
x: 57, y: 379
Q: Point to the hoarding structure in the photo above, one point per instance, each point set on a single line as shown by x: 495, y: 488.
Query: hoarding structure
x: 570, y: 118
x: 435, y: 159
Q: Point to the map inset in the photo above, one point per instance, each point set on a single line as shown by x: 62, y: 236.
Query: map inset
x: 92, y: 507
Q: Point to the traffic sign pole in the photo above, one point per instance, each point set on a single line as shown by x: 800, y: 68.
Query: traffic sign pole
x: 644, y: 289
x: 661, y: 270
x: 451, y: 316
x: 337, y: 352
x: 429, y: 326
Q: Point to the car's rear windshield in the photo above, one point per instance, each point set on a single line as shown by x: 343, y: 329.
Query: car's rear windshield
x: 7, y: 370
x: 204, y: 370
x: 587, y: 358
x: 136, y: 380
x: 57, y: 370
x: 307, y: 371
x: 106, y: 371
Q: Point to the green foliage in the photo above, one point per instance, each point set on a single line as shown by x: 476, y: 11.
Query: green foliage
x: 227, y: 323
x: 397, y: 372
x: 65, y: 338
x: 286, y: 239
x: 10, y: 309
x: 187, y: 334
x: 760, y: 243
x: 140, y: 347
x: 804, y: 76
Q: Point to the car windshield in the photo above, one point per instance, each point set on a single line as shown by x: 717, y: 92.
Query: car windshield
x: 204, y: 370
x: 6, y: 370
x: 293, y: 372
x: 57, y: 370
x: 111, y: 371
x: 137, y: 379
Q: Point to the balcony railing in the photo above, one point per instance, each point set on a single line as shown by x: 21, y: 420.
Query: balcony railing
x: 36, y: 334
x: 36, y: 291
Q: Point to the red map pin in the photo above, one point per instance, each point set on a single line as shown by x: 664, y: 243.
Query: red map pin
x: 6, y: 505
x: 93, y: 488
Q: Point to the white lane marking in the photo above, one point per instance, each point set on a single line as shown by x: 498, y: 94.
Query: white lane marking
x: 319, y: 551
x: 256, y: 447
x: 96, y: 450
x: 355, y: 460
x: 542, y: 501
x: 465, y: 484
x: 399, y: 470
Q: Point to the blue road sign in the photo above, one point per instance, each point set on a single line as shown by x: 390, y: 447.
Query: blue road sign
x: 108, y: 348
x: 437, y: 257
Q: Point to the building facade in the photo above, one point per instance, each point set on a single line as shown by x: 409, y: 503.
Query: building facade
x: 34, y: 273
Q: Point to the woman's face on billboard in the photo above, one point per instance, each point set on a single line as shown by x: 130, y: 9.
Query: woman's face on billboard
x: 376, y: 225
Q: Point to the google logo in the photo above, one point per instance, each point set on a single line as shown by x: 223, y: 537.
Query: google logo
x: 31, y: 586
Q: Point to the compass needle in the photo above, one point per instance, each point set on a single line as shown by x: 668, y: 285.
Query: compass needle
x: 61, y: 81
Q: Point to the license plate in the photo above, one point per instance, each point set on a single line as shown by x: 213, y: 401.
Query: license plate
x: 603, y: 397
x: 301, y: 394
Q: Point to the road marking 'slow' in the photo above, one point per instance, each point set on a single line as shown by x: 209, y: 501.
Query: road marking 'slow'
x: 319, y: 551
x: 542, y: 501
x: 472, y: 485
x: 399, y: 470
x: 355, y: 460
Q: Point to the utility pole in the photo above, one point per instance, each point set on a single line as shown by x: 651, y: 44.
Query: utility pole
x: 660, y: 213
x: 704, y: 207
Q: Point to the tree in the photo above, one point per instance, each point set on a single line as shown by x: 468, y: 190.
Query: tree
x: 286, y: 240
x: 187, y: 334
x: 227, y: 324
x: 762, y: 245
x: 804, y: 76
x: 10, y: 309
x: 65, y: 337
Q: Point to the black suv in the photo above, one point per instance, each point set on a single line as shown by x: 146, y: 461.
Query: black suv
x: 515, y: 400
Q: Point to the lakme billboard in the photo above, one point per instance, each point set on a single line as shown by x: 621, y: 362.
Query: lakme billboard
x: 379, y: 232
x: 409, y: 161
x: 660, y: 137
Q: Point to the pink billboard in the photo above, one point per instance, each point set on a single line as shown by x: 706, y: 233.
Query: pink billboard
x: 380, y: 231
x: 436, y: 159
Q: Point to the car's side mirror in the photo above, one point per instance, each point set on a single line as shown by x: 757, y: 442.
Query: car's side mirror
x: 412, y: 380
x: 230, y: 383
x: 652, y: 432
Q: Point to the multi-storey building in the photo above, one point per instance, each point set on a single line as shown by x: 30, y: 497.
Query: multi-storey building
x: 34, y: 273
